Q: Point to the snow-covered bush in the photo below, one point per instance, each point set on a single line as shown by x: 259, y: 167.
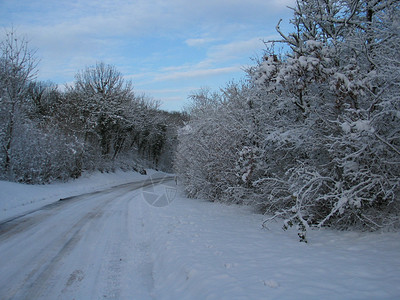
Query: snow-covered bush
x: 314, y: 136
x: 210, y: 154
x: 44, y: 155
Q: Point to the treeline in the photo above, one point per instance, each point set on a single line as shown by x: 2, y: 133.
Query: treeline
x: 97, y: 123
x: 313, y: 134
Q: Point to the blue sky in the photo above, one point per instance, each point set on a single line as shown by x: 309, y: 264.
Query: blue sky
x: 168, y: 49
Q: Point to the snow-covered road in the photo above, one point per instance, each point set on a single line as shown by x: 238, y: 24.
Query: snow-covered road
x: 84, y: 247
x: 113, y: 244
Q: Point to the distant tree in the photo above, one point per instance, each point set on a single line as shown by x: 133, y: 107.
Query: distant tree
x: 210, y: 144
x: 99, y: 97
x: 98, y: 123
x: 44, y: 98
x: 171, y: 122
x: 112, y: 121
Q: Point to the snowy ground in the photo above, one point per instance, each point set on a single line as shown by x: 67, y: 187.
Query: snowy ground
x: 114, y: 245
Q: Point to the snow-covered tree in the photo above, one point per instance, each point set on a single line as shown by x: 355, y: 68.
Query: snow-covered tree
x: 99, y: 97
x: 97, y: 123
x: 214, y: 156
x: 34, y: 148
x: 114, y: 123
x: 343, y: 172
x: 17, y: 69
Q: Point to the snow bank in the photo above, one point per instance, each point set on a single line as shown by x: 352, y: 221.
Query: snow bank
x: 16, y: 198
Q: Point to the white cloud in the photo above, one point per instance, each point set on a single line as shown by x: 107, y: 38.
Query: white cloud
x: 219, y: 59
x: 146, y: 16
x: 167, y: 91
x: 199, y: 41
x: 234, y: 49
x: 196, y: 73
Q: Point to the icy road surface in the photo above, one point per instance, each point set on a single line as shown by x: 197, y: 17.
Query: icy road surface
x: 84, y: 247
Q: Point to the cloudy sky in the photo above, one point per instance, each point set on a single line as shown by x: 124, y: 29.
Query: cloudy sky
x: 167, y: 48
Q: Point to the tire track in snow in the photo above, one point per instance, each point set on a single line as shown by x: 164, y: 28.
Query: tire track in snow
x: 73, y: 254
x: 37, y: 280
